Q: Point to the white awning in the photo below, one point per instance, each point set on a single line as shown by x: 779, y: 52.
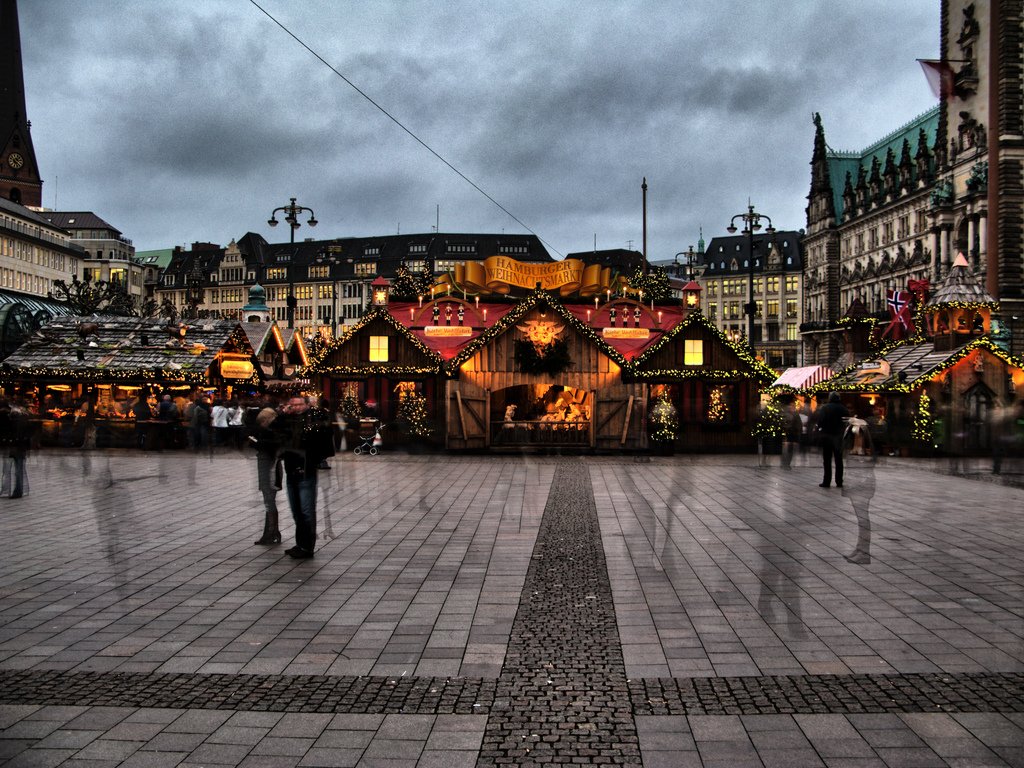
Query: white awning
x: 802, y: 378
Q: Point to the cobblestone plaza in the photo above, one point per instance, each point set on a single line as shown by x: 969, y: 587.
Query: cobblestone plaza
x: 512, y: 610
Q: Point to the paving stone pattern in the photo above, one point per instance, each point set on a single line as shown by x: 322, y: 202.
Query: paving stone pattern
x: 562, y: 695
x: 521, y: 610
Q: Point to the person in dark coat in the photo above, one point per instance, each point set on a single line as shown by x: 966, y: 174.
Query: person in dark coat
x: 792, y: 427
x: 15, y: 437
x: 830, y: 423
x: 268, y: 469
x: 305, y: 440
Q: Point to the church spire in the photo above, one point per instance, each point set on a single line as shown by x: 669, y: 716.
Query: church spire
x: 19, y: 172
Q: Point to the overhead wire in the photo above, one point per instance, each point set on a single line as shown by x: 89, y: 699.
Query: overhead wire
x: 401, y: 125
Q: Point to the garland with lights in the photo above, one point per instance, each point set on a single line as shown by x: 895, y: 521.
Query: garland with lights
x: 537, y: 297
x: 836, y: 383
x: 664, y: 420
x: 756, y: 368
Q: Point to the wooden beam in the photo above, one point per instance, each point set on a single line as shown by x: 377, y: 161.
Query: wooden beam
x: 625, y: 424
x: 462, y: 415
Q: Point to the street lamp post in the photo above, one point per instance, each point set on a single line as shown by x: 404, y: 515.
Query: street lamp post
x: 291, y: 215
x: 751, y: 223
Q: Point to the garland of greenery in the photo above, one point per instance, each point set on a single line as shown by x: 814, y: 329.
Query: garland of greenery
x: 551, y: 359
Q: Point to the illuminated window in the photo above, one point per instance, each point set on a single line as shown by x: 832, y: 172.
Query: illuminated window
x: 693, y: 352
x: 366, y: 268
x: 378, y: 349
x: 277, y: 273
x: 319, y: 270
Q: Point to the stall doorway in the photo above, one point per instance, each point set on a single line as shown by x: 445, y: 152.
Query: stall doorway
x: 977, y: 419
x: 541, y: 415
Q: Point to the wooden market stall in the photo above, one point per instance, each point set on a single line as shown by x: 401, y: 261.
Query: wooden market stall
x: 94, y: 368
x: 548, y: 368
x: 951, y: 389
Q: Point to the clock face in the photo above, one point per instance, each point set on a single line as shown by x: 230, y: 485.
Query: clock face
x: 15, y: 160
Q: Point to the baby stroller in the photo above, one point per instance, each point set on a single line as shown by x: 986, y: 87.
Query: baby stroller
x: 369, y: 435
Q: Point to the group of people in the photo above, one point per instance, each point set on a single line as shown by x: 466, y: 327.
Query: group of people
x: 292, y: 441
x: 208, y: 424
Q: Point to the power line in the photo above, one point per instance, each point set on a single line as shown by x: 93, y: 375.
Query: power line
x: 397, y: 122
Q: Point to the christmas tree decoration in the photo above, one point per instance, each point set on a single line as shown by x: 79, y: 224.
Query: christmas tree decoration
x: 412, y: 409
x: 924, y: 422
x: 664, y: 420
x: 718, y: 406
x: 770, y: 422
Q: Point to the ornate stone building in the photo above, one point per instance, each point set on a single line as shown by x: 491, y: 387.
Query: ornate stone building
x: 903, y: 208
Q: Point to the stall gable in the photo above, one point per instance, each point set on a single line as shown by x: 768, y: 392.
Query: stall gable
x: 497, y: 356
x: 379, y: 343
x: 708, y: 352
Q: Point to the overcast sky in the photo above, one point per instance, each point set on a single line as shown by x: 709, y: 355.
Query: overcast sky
x: 185, y: 121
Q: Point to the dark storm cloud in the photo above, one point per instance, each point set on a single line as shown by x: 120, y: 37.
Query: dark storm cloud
x: 191, y: 122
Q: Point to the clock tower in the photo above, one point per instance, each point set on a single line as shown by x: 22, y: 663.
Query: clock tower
x: 19, y: 173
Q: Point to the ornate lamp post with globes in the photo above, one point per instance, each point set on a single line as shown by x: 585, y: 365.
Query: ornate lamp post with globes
x: 751, y: 223
x: 291, y: 215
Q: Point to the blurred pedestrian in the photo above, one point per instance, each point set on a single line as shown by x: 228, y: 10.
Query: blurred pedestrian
x: 305, y: 440
x: 219, y: 421
x: 15, y: 437
x: 268, y: 470
x: 792, y: 428
x: 143, y: 415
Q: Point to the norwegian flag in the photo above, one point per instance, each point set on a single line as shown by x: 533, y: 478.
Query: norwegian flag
x: 899, y: 306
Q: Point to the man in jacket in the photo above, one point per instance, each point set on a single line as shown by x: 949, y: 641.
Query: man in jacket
x: 830, y: 420
x: 304, y: 434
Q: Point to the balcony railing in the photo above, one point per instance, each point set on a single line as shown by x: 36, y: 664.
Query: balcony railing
x: 540, y: 433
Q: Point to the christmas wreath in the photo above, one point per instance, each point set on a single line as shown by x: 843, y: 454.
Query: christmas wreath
x: 551, y: 358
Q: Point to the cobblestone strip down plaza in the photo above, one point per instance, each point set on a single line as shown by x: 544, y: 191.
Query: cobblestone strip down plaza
x: 563, y: 695
x: 760, y: 695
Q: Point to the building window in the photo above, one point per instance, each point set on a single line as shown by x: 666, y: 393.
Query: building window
x: 378, y: 349
x: 277, y: 273
x: 713, y: 310
x: 773, y: 308
x: 417, y: 248
x: 416, y: 266
x: 792, y: 332
x: 319, y: 270
x: 791, y: 309
x: 371, y: 250
x: 366, y: 268
x: 445, y: 265
x: 773, y: 284
x: 792, y: 283
x: 693, y: 352
x: 325, y: 291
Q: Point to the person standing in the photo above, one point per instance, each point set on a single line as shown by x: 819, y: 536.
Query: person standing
x: 143, y: 418
x: 199, y: 423
x: 792, y: 428
x: 15, y: 437
x: 305, y: 440
x: 167, y: 415
x: 219, y: 418
x: 268, y: 469
x: 830, y: 424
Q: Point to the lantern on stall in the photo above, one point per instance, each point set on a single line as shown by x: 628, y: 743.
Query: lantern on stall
x: 381, y: 289
x: 691, y: 295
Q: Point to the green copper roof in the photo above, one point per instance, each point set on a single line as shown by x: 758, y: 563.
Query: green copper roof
x: 839, y: 163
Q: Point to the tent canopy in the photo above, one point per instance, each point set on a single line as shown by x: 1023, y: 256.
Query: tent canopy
x: 804, y: 377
